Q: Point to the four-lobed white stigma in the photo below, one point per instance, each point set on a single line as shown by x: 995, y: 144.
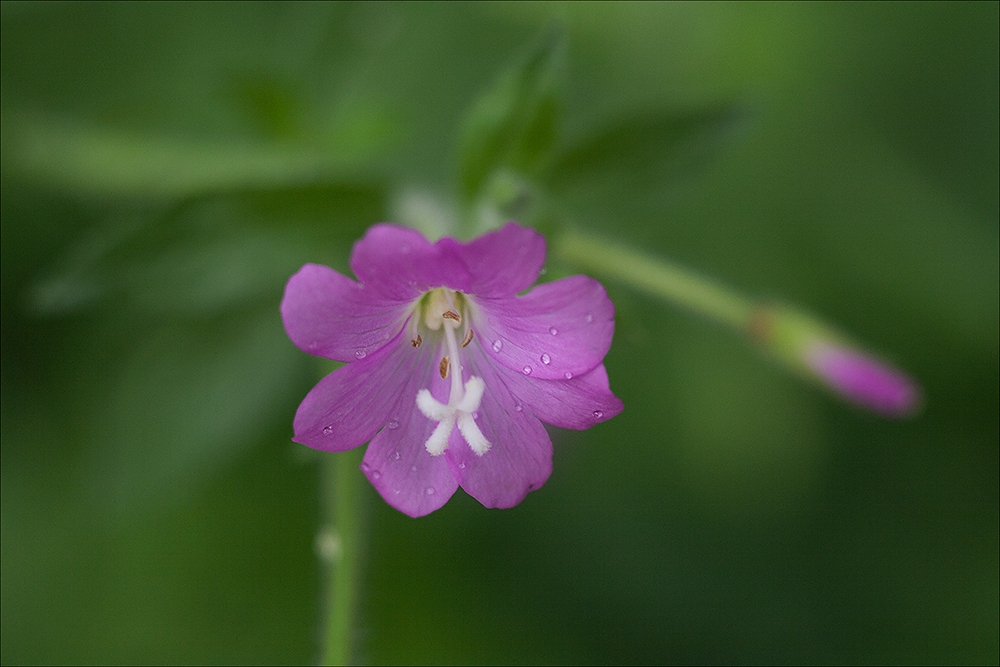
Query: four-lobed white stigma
x: 460, y: 411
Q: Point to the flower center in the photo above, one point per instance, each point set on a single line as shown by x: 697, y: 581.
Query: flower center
x: 444, y: 309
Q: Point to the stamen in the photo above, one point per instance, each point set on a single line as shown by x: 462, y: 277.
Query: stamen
x: 451, y: 315
x: 416, y: 341
x: 443, y: 367
x: 468, y: 338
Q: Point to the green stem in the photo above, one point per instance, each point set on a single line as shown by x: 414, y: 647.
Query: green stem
x: 655, y: 276
x: 339, y: 544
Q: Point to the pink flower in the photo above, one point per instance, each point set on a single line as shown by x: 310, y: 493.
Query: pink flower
x: 449, y: 372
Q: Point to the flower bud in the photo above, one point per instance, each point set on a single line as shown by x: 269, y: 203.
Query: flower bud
x: 826, y: 355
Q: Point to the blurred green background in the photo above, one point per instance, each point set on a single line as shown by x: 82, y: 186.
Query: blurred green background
x: 166, y: 167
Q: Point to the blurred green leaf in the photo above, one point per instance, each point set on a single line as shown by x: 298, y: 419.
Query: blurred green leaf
x: 514, y: 123
x: 184, y: 398
x: 643, y: 152
x: 107, y: 161
x: 209, y: 254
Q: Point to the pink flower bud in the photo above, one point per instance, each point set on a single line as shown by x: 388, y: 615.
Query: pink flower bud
x: 863, y: 379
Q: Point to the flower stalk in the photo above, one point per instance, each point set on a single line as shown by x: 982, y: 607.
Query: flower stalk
x: 796, y: 339
x: 654, y: 276
x: 338, y: 544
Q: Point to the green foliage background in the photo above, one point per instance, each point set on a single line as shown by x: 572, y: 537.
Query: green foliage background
x: 166, y: 167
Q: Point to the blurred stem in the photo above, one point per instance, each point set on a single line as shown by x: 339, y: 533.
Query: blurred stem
x: 653, y: 275
x: 339, y: 546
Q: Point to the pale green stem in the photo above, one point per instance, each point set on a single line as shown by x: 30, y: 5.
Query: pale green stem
x: 655, y: 276
x: 339, y: 546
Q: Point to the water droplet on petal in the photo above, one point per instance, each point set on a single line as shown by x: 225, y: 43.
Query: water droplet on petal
x: 365, y: 467
x: 327, y: 430
x: 395, y: 456
x: 360, y: 354
x: 545, y: 358
x: 598, y: 414
x: 461, y: 466
x: 429, y: 490
x: 497, y: 345
x: 519, y: 407
x: 405, y: 250
x: 376, y: 474
x: 589, y: 317
x: 568, y: 375
x: 392, y: 425
x: 413, y: 468
x: 553, y: 331
x: 526, y: 370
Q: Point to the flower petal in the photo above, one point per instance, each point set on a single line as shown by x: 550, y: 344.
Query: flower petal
x: 580, y: 403
x: 399, y: 467
x: 397, y: 461
x: 520, y: 457
x: 503, y: 262
x: 329, y: 315
x: 349, y: 406
x: 400, y: 264
x: 557, y: 331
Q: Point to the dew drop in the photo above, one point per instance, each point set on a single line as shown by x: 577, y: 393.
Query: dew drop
x: 405, y: 250
x: 429, y: 490
x: 395, y: 456
x: 519, y: 407
x: 545, y: 358
x: 553, y: 331
x: 327, y: 430
x: 497, y: 345
x: 461, y: 466
x: 598, y: 414
x: 526, y: 370
x: 413, y: 468
x: 392, y: 425
x: 589, y: 317
x: 365, y: 467
x: 376, y: 474
x: 568, y: 375
x: 360, y: 354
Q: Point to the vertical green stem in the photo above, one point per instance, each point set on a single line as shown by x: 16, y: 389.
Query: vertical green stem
x: 654, y: 276
x: 340, y: 545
